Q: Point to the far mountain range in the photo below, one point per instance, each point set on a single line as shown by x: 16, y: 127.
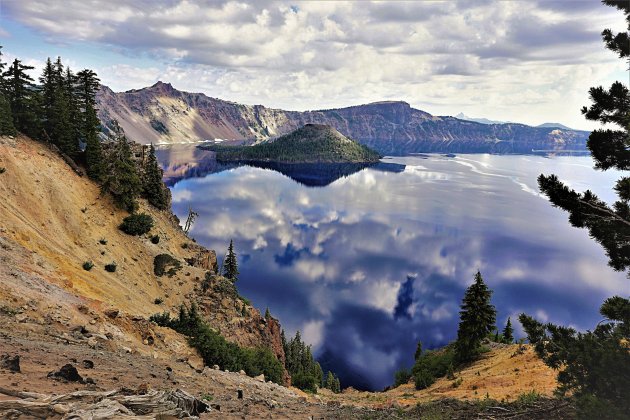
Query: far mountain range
x: 163, y: 114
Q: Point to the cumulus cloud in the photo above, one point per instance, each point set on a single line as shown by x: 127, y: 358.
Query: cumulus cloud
x: 444, y: 56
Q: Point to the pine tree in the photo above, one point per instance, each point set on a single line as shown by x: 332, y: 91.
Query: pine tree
x: 319, y: 375
x: 49, y: 85
x: 122, y: 180
x: 595, y: 365
x: 6, y: 118
x: 230, y: 270
x: 418, y: 353
x: 2, y: 78
x: 329, y: 383
x: 152, y: 185
x: 20, y: 94
x: 89, y: 124
x: 508, y: 332
x: 477, y: 318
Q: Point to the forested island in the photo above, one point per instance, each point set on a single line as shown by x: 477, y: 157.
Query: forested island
x: 312, y: 143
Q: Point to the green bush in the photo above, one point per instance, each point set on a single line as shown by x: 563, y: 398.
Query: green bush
x: 401, y: 377
x: 155, y: 239
x: 158, y: 301
x: 166, y: 264
x: 216, y: 350
x: 431, y: 365
x: 111, y: 267
x: 102, y: 241
x: 305, y: 382
x: 2, y: 170
x: 87, y: 266
x: 136, y: 224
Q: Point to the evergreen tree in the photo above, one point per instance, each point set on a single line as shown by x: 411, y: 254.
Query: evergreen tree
x: 418, y: 353
x: 337, y: 386
x: 152, y: 184
x: 20, y: 94
x: 122, y: 180
x: 477, y: 318
x: 6, y: 118
x: 89, y: 124
x: 230, y: 270
x: 595, y: 366
x: 508, y: 332
x: 319, y: 375
x: 49, y: 84
x: 71, y: 91
x: 2, y: 78
x: 329, y: 383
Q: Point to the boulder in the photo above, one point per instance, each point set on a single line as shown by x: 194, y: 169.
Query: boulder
x: 68, y: 373
x: 11, y: 363
x: 111, y: 313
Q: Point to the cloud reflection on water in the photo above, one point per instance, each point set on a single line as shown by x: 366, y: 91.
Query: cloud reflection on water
x: 334, y: 261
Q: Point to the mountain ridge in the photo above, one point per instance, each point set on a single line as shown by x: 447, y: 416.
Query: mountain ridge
x: 162, y: 114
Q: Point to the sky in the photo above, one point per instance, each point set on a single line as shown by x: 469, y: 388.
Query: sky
x: 529, y: 61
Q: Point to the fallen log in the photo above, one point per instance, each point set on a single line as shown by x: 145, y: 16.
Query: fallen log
x: 101, y: 405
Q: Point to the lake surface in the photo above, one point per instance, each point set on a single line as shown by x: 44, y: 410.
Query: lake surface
x: 367, y: 261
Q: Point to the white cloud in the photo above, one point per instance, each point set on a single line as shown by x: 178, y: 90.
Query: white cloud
x: 522, y: 61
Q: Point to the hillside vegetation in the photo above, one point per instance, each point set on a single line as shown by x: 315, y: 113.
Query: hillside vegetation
x: 312, y: 143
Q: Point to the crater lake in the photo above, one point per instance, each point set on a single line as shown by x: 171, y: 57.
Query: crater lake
x: 367, y: 261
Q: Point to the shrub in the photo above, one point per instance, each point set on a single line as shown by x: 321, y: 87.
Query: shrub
x: 158, y: 301
x: 165, y: 264
x: 431, y: 365
x: 401, y: 377
x: 111, y: 267
x: 87, y: 266
x: 162, y: 319
x: 102, y: 241
x: 137, y: 224
x: 423, y: 379
x: 2, y: 170
x: 155, y: 239
x: 304, y: 382
x: 529, y: 397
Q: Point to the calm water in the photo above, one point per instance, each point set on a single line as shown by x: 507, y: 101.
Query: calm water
x: 368, y: 264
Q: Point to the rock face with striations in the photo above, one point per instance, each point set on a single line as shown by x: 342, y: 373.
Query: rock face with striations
x: 162, y: 114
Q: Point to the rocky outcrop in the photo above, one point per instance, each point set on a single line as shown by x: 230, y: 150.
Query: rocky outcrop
x: 203, y: 258
x: 162, y: 114
x: 234, y: 317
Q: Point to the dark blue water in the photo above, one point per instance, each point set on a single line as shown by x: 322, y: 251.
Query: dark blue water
x: 368, y: 263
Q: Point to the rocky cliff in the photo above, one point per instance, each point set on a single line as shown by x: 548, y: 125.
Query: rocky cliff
x: 162, y: 114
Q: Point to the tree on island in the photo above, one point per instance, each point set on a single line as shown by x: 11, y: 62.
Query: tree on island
x: 508, y: 332
x: 477, y: 318
x: 594, y: 366
x: 152, y: 185
x: 230, y: 269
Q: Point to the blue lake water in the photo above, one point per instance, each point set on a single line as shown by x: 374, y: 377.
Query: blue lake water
x: 368, y: 264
